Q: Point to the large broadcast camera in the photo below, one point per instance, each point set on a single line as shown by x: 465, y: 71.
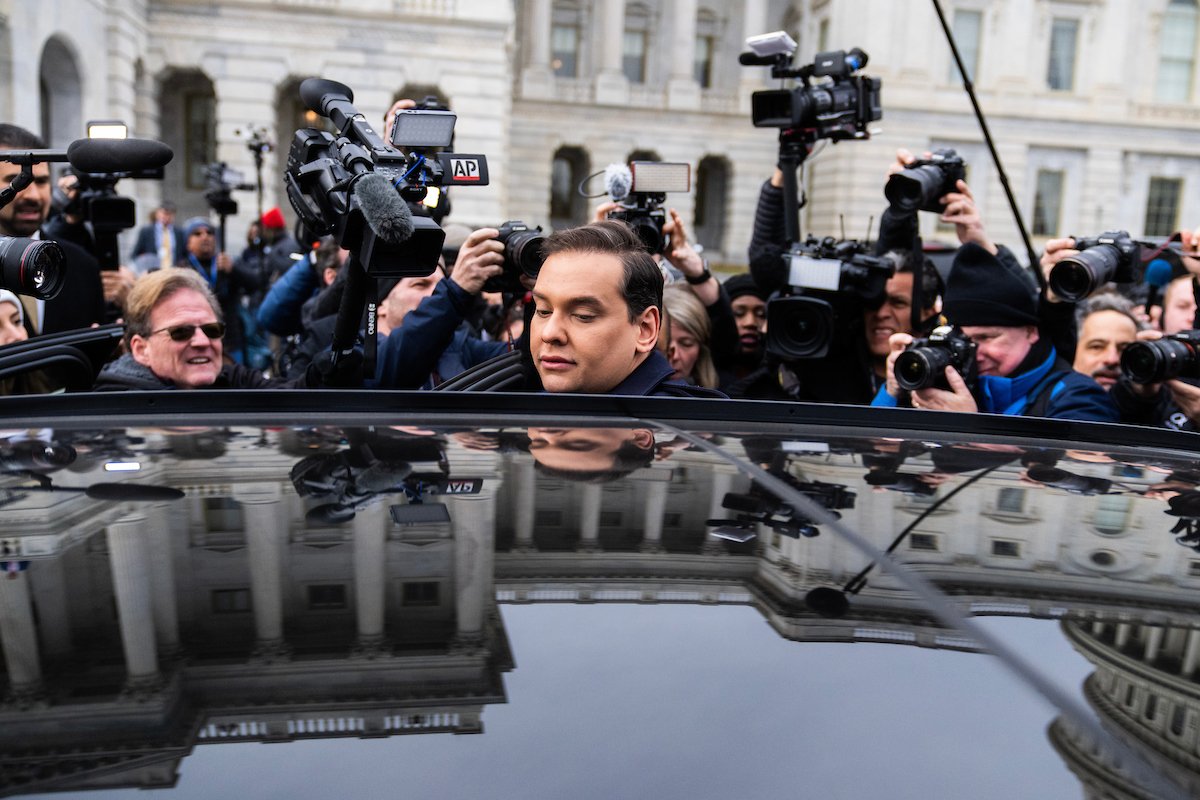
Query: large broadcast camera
x: 640, y: 190
x: 1176, y: 355
x: 923, y: 363
x: 1111, y: 256
x: 825, y: 274
x: 38, y: 268
x: 921, y: 185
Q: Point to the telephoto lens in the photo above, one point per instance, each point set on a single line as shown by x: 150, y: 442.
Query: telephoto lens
x: 921, y: 185
x: 522, y: 257
x: 1108, y: 257
x: 1161, y: 360
x: 30, y: 266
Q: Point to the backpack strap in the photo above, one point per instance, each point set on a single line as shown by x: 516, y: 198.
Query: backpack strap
x: 1041, y: 394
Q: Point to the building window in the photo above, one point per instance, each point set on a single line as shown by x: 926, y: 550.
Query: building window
x: 1060, y: 74
x: 222, y: 514
x: 1129, y: 695
x: 423, y: 593
x: 1011, y: 501
x: 610, y: 519
x: 1047, y: 202
x: 704, y: 61
x: 1177, y: 719
x: 1151, y: 706
x: 568, y: 208
x: 923, y: 541
x: 776, y: 540
x: 548, y: 518
x: 673, y: 519
x: 1162, y: 206
x: 1111, y: 514
x: 967, y: 27
x: 564, y: 46
x: 200, y: 132
x: 1177, y: 52
x: 1194, y: 569
x: 327, y: 597
x: 712, y: 197
x: 230, y: 601
x: 823, y: 36
x: 1006, y: 548
x: 634, y: 61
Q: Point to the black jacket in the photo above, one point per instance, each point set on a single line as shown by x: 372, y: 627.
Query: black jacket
x: 1159, y: 411
x: 230, y: 288
x: 127, y: 374
x: 653, y: 378
x: 81, y: 300
x: 146, y: 244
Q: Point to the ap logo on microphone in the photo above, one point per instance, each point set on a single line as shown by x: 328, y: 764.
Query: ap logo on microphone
x: 463, y: 169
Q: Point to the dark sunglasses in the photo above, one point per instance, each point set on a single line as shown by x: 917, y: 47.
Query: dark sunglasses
x: 184, y: 333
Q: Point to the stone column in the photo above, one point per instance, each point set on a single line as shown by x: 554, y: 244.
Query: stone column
x: 19, y: 638
x: 683, y: 91
x: 49, y: 588
x: 1191, y: 654
x: 370, y: 576
x: 652, y: 524
x: 1154, y: 637
x: 474, y: 520
x: 1122, y: 637
x: 751, y: 79
x: 612, y: 88
x: 524, y: 504
x: 162, y: 579
x: 589, y: 519
x: 265, y: 522
x: 129, y: 557
x: 537, y: 79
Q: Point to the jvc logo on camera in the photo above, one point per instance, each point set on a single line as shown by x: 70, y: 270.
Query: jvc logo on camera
x: 464, y: 169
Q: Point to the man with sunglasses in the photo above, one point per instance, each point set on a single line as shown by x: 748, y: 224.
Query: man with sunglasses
x: 173, y: 332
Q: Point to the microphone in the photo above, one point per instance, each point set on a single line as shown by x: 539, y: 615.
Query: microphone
x: 618, y: 179
x: 1158, y: 275
x: 384, y: 210
x: 752, y: 59
x: 118, y: 155
x: 317, y: 92
x: 120, y: 492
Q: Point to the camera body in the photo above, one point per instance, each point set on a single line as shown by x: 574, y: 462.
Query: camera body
x: 641, y: 208
x: 1111, y: 256
x: 827, y: 277
x: 219, y: 184
x: 840, y: 108
x: 920, y: 185
x: 646, y: 218
x: 522, y: 257
x: 923, y: 363
x: 1174, y: 356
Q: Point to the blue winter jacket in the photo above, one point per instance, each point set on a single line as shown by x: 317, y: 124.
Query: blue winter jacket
x: 1074, y: 396
x: 279, y: 312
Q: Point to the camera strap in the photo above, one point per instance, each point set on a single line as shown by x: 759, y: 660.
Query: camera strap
x: 371, y: 343
x: 1041, y: 395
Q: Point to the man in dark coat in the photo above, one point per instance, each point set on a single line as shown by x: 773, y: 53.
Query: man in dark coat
x: 162, y: 239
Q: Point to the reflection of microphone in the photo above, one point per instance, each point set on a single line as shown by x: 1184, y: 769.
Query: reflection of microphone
x: 385, y: 212
x: 618, y: 179
x: 1158, y: 275
x: 117, y: 155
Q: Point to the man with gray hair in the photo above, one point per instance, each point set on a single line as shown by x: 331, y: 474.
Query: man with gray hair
x: 1106, y: 325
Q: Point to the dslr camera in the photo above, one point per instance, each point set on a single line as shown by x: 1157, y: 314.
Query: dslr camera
x: 827, y: 277
x: 920, y: 185
x: 522, y: 257
x: 1068, y: 481
x: 641, y: 209
x: 923, y: 363
x: 1111, y: 256
x: 840, y: 108
x: 1173, y: 356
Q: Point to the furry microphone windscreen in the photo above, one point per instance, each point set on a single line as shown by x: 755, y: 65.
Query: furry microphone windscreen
x: 618, y: 180
x: 383, y: 208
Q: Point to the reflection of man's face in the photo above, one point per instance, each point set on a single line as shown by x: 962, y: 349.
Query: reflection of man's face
x: 584, y: 449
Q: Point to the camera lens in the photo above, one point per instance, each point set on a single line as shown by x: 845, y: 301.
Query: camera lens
x: 1078, y: 276
x: 1157, y: 361
x: 921, y: 367
x: 649, y: 233
x: 915, y: 189
x: 524, y: 248
x: 799, y: 327
x: 29, y: 266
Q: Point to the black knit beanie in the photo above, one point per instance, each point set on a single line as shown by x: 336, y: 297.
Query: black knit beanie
x: 983, y: 291
x: 744, y: 284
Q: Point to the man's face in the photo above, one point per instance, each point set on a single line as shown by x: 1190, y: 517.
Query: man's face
x: 189, y: 365
x: 1102, y: 339
x: 894, y: 316
x: 581, y: 337
x: 1179, y: 307
x: 1001, y: 350
x: 403, y: 298
x: 750, y: 313
x: 28, y: 210
x: 202, y: 243
x: 583, y: 449
x: 164, y: 217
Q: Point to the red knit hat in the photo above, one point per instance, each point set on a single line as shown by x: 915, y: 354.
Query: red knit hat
x: 273, y: 218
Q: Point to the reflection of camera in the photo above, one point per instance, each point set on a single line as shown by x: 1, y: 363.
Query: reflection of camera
x: 522, y: 257
x: 1173, y: 356
x: 31, y: 266
x: 1111, y: 256
x: 839, y: 109
x: 1068, y: 481
x: 920, y: 185
x: 923, y: 363
x: 35, y: 455
x: 219, y: 183
x: 900, y: 482
x: 641, y: 208
x: 758, y: 506
x: 825, y: 271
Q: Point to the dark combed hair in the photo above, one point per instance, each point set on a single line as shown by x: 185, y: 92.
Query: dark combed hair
x: 642, y: 286
x: 931, y: 281
x: 13, y: 137
x: 627, y: 459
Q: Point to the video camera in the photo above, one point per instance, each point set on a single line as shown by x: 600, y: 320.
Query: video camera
x: 220, y: 181
x: 760, y: 507
x: 1068, y: 481
x: 824, y: 273
x: 1111, y: 256
x: 923, y: 363
x: 921, y: 184
x: 641, y: 190
x: 1158, y: 360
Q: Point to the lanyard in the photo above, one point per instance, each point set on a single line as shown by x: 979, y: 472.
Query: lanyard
x: 211, y: 278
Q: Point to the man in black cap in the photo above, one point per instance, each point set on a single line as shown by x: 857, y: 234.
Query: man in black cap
x: 1020, y: 373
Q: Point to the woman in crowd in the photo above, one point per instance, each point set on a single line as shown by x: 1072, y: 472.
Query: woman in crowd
x: 690, y: 336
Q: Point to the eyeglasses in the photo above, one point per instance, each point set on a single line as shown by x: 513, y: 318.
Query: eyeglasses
x: 184, y: 333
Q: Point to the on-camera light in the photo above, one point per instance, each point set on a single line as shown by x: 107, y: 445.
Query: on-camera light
x: 107, y: 129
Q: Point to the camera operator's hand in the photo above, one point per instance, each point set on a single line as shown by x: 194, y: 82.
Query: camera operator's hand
x: 964, y: 214
x: 1187, y: 397
x: 603, y: 209
x: 224, y: 262
x: 117, y: 284
x: 324, y: 374
x: 959, y: 399
x: 1056, y: 250
x: 897, y: 341
x: 903, y: 159
x: 389, y: 119
x: 480, y: 257
x: 688, y: 261
x: 69, y: 185
x: 1190, y: 255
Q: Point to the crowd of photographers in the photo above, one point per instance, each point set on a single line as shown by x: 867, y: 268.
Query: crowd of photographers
x: 609, y: 312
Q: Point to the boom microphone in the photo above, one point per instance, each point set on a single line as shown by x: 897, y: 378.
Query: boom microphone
x: 1158, y: 275
x: 384, y: 210
x: 618, y: 179
x: 118, y: 155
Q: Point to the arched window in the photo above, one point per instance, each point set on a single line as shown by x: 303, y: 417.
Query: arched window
x: 568, y: 208
x: 1177, y: 52
x: 643, y: 155
x: 61, y: 94
x: 188, y: 113
x: 420, y: 92
x: 712, y: 194
x: 636, y: 43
